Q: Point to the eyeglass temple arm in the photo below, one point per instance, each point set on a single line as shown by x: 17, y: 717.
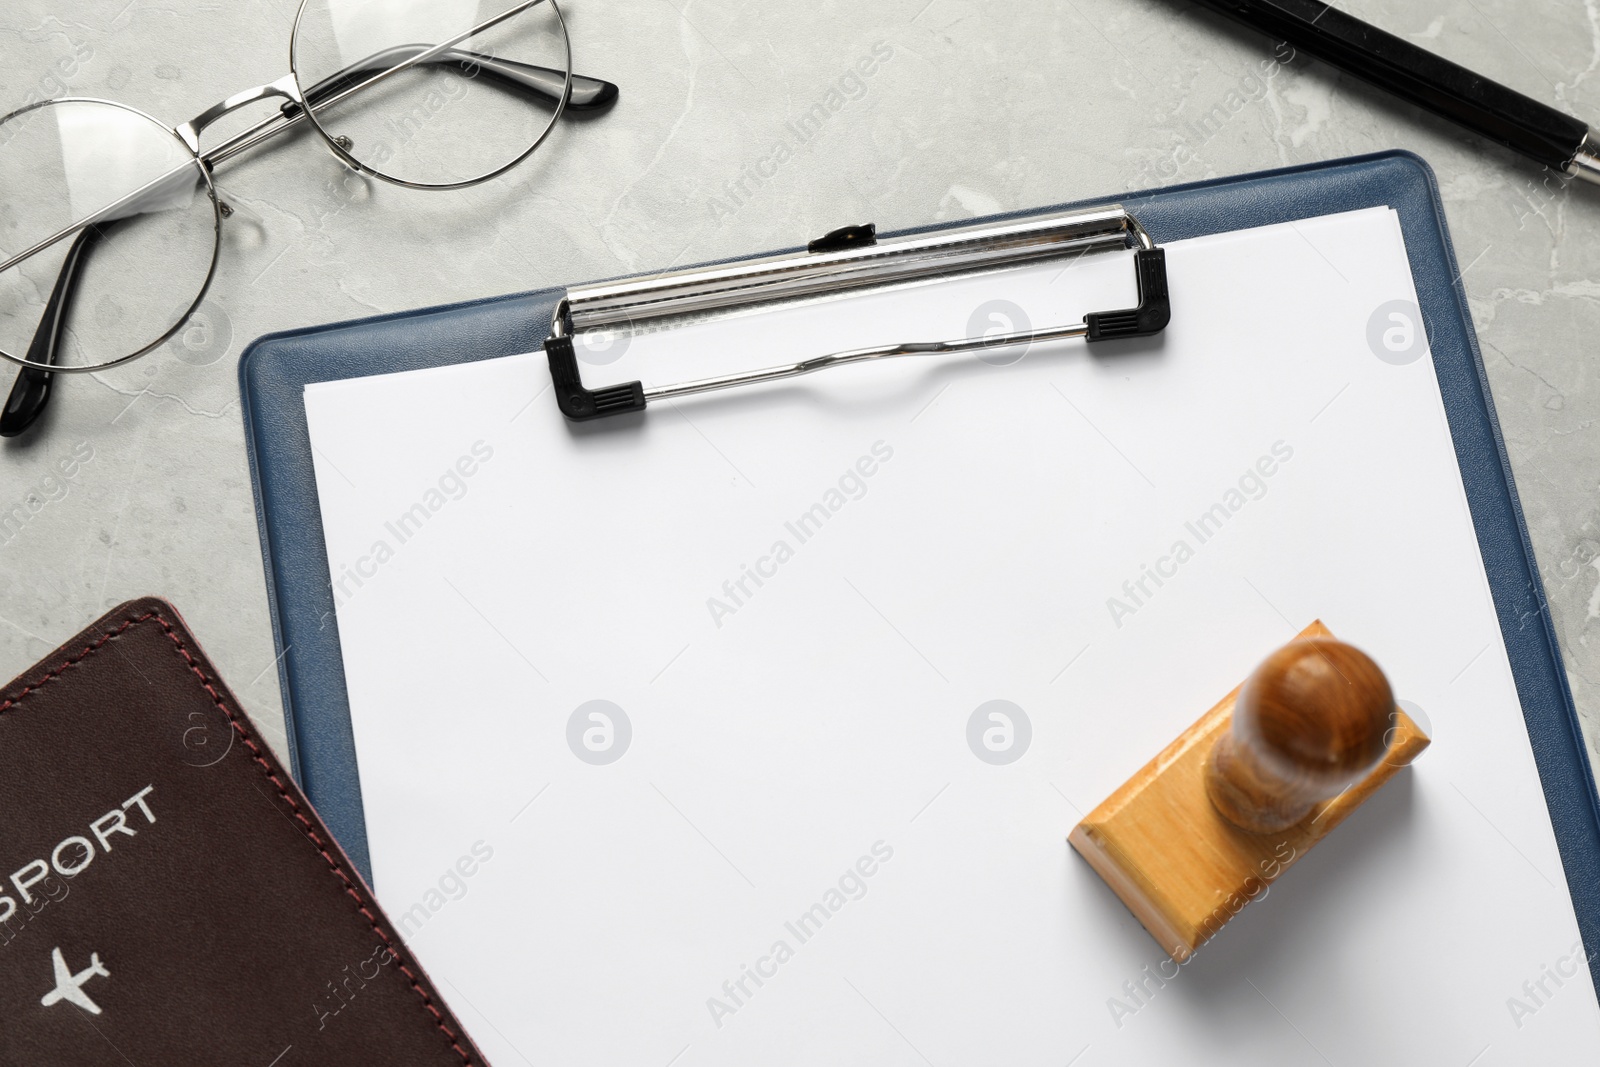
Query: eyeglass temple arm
x: 588, y: 94
x: 31, y: 391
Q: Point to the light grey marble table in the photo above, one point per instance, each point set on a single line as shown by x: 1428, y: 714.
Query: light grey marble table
x: 982, y: 106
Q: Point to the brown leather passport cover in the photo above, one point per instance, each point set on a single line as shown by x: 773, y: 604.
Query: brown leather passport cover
x: 167, y: 896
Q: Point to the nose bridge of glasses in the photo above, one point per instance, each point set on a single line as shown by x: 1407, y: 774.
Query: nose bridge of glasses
x: 285, y: 87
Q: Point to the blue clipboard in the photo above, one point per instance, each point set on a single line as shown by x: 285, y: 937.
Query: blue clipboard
x: 275, y: 369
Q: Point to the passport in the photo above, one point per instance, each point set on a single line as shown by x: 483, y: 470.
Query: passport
x: 167, y: 895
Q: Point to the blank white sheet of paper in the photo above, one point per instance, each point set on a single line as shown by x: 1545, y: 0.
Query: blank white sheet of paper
x: 678, y: 736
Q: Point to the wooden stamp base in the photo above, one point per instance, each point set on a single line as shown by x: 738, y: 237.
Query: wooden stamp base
x: 1179, y: 866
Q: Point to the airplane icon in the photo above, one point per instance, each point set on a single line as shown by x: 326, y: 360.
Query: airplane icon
x: 69, y: 986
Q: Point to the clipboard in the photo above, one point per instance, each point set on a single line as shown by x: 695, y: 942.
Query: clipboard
x: 275, y: 370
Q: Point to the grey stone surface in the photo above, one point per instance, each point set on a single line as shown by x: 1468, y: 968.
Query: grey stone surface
x: 983, y: 106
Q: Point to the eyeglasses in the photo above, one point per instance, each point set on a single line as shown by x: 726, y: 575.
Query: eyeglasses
x: 110, y: 221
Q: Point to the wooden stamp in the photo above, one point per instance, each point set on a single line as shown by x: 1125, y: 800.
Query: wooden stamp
x: 1211, y: 822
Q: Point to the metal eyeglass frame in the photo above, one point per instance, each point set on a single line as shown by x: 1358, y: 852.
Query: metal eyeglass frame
x: 568, y: 90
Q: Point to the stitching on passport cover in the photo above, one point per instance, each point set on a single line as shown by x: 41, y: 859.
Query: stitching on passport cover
x: 255, y: 751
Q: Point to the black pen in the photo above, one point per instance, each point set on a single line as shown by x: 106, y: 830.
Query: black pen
x: 1536, y: 130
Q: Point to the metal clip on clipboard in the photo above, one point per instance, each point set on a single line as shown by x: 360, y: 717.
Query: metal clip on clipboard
x: 848, y: 259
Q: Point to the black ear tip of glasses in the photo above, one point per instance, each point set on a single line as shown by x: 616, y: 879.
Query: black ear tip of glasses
x: 598, y: 97
x: 27, y: 402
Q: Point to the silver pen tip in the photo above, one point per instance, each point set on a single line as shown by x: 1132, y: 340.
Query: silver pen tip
x: 1585, y: 162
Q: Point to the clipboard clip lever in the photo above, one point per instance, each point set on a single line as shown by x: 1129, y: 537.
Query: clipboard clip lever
x: 851, y: 258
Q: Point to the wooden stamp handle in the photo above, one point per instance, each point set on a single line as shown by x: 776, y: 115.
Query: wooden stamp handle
x: 1309, y: 722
